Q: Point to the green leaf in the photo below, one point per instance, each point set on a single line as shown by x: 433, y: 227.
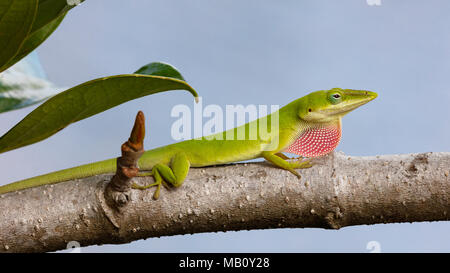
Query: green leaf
x: 48, y: 14
x: 35, y: 39
x: 161, y: 69
x: 49, y: 10
x: 16, y: 21
x: 83, y: 101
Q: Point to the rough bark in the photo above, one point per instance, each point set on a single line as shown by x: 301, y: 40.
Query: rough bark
x: 338, y: 191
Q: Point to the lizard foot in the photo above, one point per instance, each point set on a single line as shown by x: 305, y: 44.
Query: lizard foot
x: 158, y: 182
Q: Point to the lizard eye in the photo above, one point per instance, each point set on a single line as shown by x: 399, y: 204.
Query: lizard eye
x: 335, y: 98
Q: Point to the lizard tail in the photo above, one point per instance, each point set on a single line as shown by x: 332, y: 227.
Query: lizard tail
x: 105, y: 166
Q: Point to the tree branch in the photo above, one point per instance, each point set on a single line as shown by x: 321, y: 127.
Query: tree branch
x: 338, y: 191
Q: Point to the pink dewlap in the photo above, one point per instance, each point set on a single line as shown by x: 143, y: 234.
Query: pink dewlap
x: 316, y: 141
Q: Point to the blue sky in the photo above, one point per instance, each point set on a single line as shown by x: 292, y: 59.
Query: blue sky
x: 258, y: 52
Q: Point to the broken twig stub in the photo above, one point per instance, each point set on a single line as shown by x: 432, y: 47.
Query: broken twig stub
x: 117, y: 191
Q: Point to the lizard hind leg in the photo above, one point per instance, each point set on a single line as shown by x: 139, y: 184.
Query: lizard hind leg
x: 163, y: 174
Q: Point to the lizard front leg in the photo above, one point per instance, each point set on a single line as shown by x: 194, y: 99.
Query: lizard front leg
x: 279, y: 161
x: 173, y: 175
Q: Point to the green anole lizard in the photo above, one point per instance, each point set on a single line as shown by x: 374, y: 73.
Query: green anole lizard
x: 309, y: 127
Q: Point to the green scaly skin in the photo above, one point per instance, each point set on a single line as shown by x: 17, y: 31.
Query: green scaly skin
x: 171, y: 163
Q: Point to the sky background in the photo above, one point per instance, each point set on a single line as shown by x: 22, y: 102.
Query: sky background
x: 257, y: 52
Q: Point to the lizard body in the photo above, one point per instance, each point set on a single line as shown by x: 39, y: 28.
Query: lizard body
x: 309, y: 127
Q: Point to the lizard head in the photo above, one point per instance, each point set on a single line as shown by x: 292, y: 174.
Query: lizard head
x: 323, y: 110
x: 332, y: 105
